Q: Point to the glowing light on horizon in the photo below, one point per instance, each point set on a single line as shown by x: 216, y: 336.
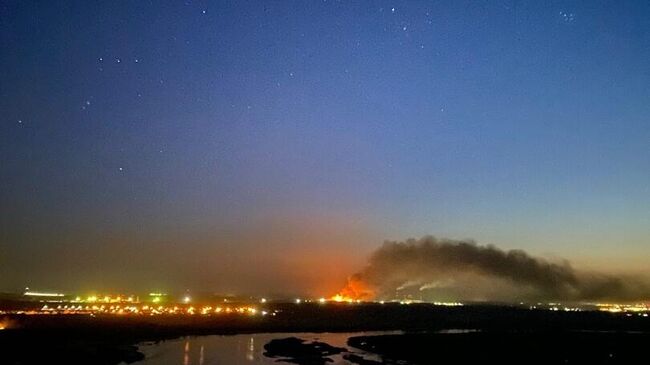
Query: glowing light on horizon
x: 623, y: 308
x: 341, y: 298
x: 39, y: 294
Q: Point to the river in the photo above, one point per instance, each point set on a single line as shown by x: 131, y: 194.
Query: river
x: 237, y: 349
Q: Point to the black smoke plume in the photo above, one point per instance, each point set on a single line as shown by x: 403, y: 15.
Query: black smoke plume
x: 432, y: 269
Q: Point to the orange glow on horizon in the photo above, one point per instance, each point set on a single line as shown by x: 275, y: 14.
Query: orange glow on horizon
x: 355, y: 290
x: 340, y: 298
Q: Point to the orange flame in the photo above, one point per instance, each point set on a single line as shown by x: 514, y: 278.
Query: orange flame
x: 355, y: 290
x: 5, y: 323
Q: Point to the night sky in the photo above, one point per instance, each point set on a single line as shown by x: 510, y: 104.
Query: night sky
x: 270, y: 146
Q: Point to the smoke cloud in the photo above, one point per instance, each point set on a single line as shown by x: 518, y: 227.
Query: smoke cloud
x: 444, y: 269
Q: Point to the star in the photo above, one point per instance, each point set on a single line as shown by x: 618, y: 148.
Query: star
x: 120, y: 169
x: 392, y: 10
x: 204, y: 11
x: 20, y: 121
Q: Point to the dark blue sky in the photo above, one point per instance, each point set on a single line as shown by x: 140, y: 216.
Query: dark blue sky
x: 247, y: 145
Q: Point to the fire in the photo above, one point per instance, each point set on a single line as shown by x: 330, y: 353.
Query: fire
x: 5, y: 324
x: 355, y: 290
x: 340, y: 298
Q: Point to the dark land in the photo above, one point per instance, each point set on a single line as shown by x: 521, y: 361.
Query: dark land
x: 512, y: 347
x: 505, y: 334
x: 296, y: 350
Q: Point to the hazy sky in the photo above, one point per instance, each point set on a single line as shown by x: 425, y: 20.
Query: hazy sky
x: 269, y: 146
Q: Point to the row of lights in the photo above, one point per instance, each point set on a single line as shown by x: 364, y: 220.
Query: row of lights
x: 147, y: 310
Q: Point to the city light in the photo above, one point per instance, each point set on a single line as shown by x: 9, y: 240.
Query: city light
x: 143, y: 310
x: 39, y: 294
x: 623, y: 308
x: 156, y: 303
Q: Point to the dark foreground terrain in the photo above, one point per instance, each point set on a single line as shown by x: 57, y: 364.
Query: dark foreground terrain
x: 298, y: 351
x: 529, y: 347
x: 507, y: 334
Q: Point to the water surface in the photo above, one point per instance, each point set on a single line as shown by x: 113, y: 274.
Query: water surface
x: 238, y: 349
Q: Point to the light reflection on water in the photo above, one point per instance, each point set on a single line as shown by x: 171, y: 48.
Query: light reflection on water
x: 237, y: 349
